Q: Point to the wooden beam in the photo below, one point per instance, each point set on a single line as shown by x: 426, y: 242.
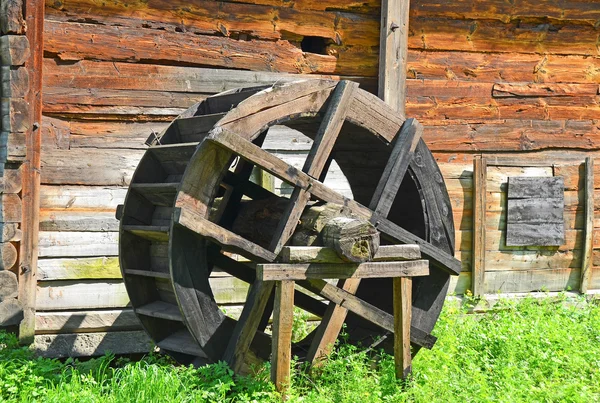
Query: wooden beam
x: 479, y: 200
x: 402, y: 317
x: 316, y: 160
x: 303, y: 271
x: 588, y: 241
x: 393, y: 53
x: 320, y: 254
x: 283, y: 319
x: 34, y: 17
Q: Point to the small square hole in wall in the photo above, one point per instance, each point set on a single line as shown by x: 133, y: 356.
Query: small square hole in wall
x: 535, y: 207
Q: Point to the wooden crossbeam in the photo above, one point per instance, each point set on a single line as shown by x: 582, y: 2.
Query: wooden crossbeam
x: 321, y: 254
x: 229, y: 241
x: 303, y: 271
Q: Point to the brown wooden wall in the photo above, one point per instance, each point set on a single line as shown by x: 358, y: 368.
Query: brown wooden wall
x: 494, y: 77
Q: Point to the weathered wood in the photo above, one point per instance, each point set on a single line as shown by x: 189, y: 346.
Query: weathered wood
x: 77, y: 244
x: 181, y: 341
x: 303, y: 271
x: 61, y: 295
x: 160, y: 309
x: 316, y: 160
x: 522, y: 281
x: 535, y: 210
x: 245, y: 328
x: 331, y: 324
x: 353, y: 240
x: 402, y: 317
x: 11, y: 17
x: 587, y: 247
x: 393, y: 53
x: 501, y: 90
x: 78, y: 221
x: 283, y: 318
x: 11, y: 180
x: 317, y: 254
x: 81, y: 198
x: 86, y: 321
x: 10, y: 232
x: 16, y: 115
x: 14, y: 50
x: 11, y: 312
x: 8, y: 285
x: 91, y: 344
x: 8, y: 255
x: 402, y: 153
x: 535, y: 187
x: 14, y: 81
x: 12, y: 147
x: 79, y: 268
x: 11, y: 208
x: 479, y: 231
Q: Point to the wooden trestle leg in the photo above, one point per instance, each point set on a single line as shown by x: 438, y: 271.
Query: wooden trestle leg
x: 283, y: 318
x: 402, y: 318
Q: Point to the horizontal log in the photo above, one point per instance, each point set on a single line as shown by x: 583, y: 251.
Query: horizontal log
x: 573, y: 219
x: 89, y: 166
x: 11, y: 312
x: 10, y: 206
x: 518, y: 260
x: 77, y: 294
x: 11, y: 17
x: 8, y: 285
x: 15, y: 115
x: 506, y: 90
x: 78, y: 221
x: 95, y: 198
x: 76, y: 41
x: 86, y: 321
x: 547, y: 279
x: 14, y: 50
x: 15, y: 81
x: 303, y: 271
x: 10, y: 232
x: 78, y: 244
x: 91, y: 344
x: 79, y: 268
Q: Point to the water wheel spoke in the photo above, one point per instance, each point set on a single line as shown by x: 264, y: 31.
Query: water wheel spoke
x: 402, y: 153
x: 186, y: 216
x: 315, y: 161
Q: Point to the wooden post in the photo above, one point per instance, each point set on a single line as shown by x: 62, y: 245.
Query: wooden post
x: 402, y: 318
x: 393, y: 53
x: 34, y: 17
x: 283, y: 318
x: 479, y: 200
x: 586, y: 261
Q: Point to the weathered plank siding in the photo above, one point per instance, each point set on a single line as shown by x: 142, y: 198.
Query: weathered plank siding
x: 516, y: 80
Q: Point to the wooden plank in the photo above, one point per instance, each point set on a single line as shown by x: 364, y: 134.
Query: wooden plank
x: 61, y: 295
x: 149, y: 232
x: 160, y: 309
x: 160, y: 194
x: 86, y: 321
x: 318, y: 254
x: 82, y: 198
x: 283, y: 319
x: 532, y: 280
x: 502, y: 90
x: 91, y: 344
x: 316, y: 160
x: 228, y: 240
x: 586, y: 259
x: 479, y: 231
x: 402, y: 318
x: 79, y: 268
x: 181, y: 341
x: 393, y: 54
x: 522, y: 260
x: 402, y: 153
x: 34, y: 18
x: 331, y: 324
x: 535, y: 210
x: 303, y: 271
x: 77, y: 244
x: 246, y: 327
x: 78, y: 220
x: 523, y: 187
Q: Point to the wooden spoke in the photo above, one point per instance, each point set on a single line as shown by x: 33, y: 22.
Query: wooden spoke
x: 405, y: 144
x: 364, y: 309
x: 247, y: 325
x: 331, y: 325
x: 229, y: 241
x: 250, y: 189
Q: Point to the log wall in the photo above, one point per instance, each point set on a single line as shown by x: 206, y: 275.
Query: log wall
x: 517, y: 80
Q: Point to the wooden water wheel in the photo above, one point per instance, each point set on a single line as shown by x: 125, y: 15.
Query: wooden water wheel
x: 178, y: 220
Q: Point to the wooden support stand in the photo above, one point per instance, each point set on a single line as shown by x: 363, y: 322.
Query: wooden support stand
x: 405, y: 265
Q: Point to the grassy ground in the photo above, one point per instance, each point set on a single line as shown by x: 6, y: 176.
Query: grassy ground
x: 532, y: 351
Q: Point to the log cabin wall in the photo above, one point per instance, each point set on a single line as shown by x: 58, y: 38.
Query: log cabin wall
x: 514, y: 80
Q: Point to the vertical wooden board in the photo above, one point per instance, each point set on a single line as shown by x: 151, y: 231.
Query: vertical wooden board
x: 479, y: 230
x: 402, y: 317
x: 283, y: 318
x: 586, y: 261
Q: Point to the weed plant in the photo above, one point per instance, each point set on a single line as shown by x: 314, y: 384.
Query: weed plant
x: 530, y: 351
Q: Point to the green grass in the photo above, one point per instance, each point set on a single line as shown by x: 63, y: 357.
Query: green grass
x: 531, y: 351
